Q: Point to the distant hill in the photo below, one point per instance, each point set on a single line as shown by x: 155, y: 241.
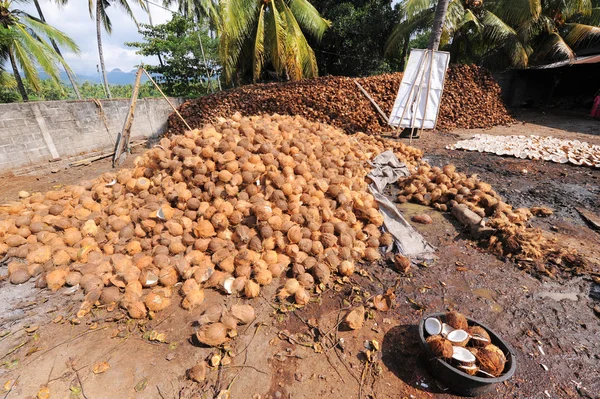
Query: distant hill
x: 115, y: 77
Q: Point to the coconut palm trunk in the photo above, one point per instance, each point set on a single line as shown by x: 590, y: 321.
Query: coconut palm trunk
x: 438, y: 24
x: 404, y: 52
x: 100, y: 52
x: 17, y: 75
x: 69, y: 74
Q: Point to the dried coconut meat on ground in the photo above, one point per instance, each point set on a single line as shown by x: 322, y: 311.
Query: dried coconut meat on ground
x: 471, y: 99
x: 230, y: 206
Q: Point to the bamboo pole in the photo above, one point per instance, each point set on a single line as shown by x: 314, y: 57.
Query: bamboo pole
x: 428, y: 91
x: 123, y: 139
x: 167, y: 99
x: 409, y: 96
x: 384, y: 116
x: 417, y: 99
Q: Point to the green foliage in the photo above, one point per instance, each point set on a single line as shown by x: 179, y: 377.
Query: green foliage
x: 353, y: 46
x: 256, y: 36
x: 49, y: 91
x: 24, y: 39
x: 183, y: 71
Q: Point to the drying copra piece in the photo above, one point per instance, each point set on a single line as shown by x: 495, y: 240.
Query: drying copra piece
x: 433, y: 326
x: 446, y: 329
x: 479, y: 336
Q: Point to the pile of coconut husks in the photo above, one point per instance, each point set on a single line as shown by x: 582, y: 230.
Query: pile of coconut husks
x: 231, y: 206
x: 510, y: 235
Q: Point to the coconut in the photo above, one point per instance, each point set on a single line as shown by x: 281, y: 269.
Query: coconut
x: 346, y: 268
x: 56, y: 279
x: 302, y: 297
x: 491, y: 361
x: 212, y: 314
x: 433, y: 326
x: 110, y: 295
x: 243, y: 313
x: 156, y: 302
x: 479, y: 336
x: 456, y: 320
x: 252, y: 289
x: 458, y: 337
x: 19, y: 275
x: 198, y: 372
x: 321, y: 273
x: 439, y: 346
x: 214, y: 334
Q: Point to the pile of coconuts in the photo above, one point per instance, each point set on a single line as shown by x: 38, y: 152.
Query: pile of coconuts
x: 231, y: 206
x: 443, y: 188
x: 468, y: 348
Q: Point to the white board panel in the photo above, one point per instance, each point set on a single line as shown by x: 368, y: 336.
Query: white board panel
x: 421, y: 87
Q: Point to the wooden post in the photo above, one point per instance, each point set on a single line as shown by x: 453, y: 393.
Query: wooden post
x: 123, y: 139
x: 410, y: 92
x: 166, y: 98
x: 428, y: 91
x: 417, y: 98
x: 384, y: 116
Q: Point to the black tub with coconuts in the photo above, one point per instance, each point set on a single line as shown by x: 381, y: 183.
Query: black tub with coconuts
x: 459, y: 381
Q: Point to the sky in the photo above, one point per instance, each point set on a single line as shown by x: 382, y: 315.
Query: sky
x: 74, y: 19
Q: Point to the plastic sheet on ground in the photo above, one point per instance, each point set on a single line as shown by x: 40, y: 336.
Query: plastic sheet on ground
x: 387, y: 169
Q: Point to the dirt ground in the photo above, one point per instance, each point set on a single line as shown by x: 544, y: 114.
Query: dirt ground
x: 304, y: 354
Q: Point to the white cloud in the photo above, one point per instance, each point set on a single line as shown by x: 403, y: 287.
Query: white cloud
x: 74, y: 19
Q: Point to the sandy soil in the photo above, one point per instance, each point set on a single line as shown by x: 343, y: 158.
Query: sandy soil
x: 549, y: 323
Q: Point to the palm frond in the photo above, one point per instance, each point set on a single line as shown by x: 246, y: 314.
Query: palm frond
x: 259, y: 45
x: 309, y: 18
x: 553, y: 48
x: 24, y: 61
x: 407, y: 29
x: 276, y: 33
x: 515, y: 12
x: 52, y: 33
x: 39, y: 50
x: 570, y: 8
x: 454, y: 16
x: 411, y: 8
x: 579, y: 35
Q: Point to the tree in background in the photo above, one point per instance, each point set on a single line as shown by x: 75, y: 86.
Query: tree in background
x: 23, y: 43
x: 552, y: 30
x: 254, y: 34
x: 353, y: 44
x: 183, y: 72
x: 98, y: 10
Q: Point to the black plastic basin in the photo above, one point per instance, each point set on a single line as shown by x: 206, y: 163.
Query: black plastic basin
x: 459, y: 381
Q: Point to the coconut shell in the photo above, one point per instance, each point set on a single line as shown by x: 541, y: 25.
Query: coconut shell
x: 302, y: 297
x: 456, y: 320
x: 481, y: 332
x: 440, y: 346
x: 346, y: 268
x: 214, y: 334
x: 110, y: 295
x: 355, y: 318
x: 156, y: 302
x: 490, y: 361
x: 19, y: 276
x: 252, y: 289
x: 56, y: 279
x: 321, y: 273
x: 243, y: 313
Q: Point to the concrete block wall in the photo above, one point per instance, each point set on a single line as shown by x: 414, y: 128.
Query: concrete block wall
x: 37, y: 133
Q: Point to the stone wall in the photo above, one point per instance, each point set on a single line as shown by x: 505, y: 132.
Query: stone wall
x: 38, y: 133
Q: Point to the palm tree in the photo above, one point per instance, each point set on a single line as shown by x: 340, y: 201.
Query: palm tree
x: 102, y: 19
x: 551, y: 30
x: 269, y: 31
x: 22, y: 42
x: 57, y: 49
x: 472, y: 32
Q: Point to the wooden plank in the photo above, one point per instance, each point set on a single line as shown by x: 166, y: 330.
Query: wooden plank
x: 123, y: 139
x: 591, y: 218
x: 383, y: 115
x: 166, y: 98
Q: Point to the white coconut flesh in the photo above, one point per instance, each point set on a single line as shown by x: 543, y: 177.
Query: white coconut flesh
x: 462, y: 355
x: 468, y: 368
x: 479, y: 338
x: 160, y: 214
x: 486, y: 373
x: 446, y: 329
x: 433, y: 326
x: 151, y: 279
x: 457, y: 336
x: 227, y: 284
